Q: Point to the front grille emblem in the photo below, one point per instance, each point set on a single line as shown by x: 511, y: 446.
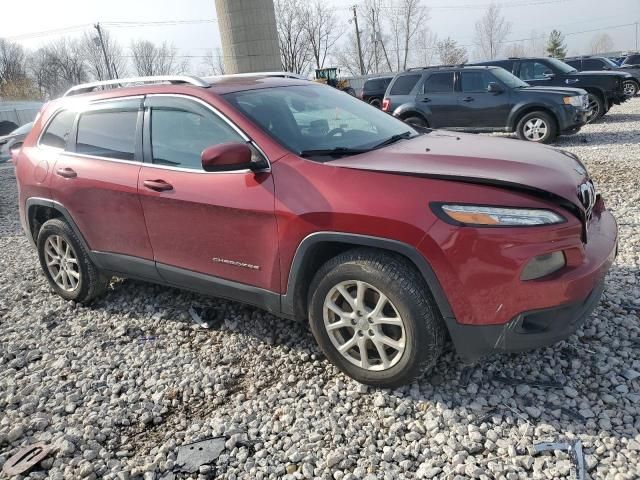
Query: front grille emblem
x: 587, y: 196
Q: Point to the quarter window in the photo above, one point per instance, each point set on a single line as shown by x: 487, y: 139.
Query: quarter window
x: 178, y: 136
x: 107, y: 133
x: 439, y: 83
x: 58, y: 130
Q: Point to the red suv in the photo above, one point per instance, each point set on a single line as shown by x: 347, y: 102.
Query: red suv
x: 304, y: 201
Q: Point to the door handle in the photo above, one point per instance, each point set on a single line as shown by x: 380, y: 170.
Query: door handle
x: 468, y: 99
x: 66, y: 172
x: 158, y: 185
x: 569, y: 81
x: 425, y: 100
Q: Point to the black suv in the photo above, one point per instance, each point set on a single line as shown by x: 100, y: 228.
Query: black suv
x: 604, y: 88
x: 594, y: 64
x: 485, y: 99
x: 373, y: 90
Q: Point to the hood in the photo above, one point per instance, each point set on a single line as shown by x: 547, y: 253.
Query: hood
x: 537, y: 169
x: 607, y: 73
x: 559, y: 90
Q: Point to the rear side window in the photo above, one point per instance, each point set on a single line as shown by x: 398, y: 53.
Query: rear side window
x: 58, y: 130
x: 532, y: 70
x: 178, y: 136
x: 574, y: 63
x: 106, y: 133
x: 475, y: 81
x: 404, y: 84
x: 632, y: 60
x: 592, y: 64
x: 439, y: 83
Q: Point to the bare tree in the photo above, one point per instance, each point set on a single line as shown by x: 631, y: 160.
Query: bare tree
x: 214, y: 62
x: 12, y: 61
x: 601, y: 43
x: 516, y: 50
x: 58, y: 66
x: 405, y: 18
x: 426, y: 46
x: 491, y: 30
x: 450, y: 53
x: 374, y: 33
x: 94, y: 56
x: 294, y: 46
x: 150, y: 59
x: 321, y: 29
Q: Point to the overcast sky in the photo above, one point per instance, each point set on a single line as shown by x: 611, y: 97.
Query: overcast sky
x: 455, y: 18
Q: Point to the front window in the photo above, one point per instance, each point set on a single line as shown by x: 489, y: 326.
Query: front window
x: 314, y: 117
x: 560, y: 65
x: 509, y: 79
x: 531, y: 70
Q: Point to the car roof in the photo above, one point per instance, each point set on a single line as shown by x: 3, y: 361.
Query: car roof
x: 446, y: 68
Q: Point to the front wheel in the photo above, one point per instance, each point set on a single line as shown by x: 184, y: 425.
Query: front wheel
x: 537, y: 127
x: 596, y: 107
x: 374, y: 318
x: 630, y: 88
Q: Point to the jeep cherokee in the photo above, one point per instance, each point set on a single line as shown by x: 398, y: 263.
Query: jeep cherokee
x: 305, y: 201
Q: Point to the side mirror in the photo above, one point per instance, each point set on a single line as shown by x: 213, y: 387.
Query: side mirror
x: 493, y: 87
x: 226, y: 157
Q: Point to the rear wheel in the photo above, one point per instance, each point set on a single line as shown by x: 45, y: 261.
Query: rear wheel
x: 630, y: 88
x: 596, y: 107
x: 416, y: 122
x: 374, y: 318
x: 537, y: 127
x: 375, y: 102
x: 67, y: 265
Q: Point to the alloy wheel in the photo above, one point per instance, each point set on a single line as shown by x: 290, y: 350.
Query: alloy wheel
x: 535, y: 129
x: 630, y: 88
x: 364, y: 326
x: 594, y: 108
x: 62, y: 263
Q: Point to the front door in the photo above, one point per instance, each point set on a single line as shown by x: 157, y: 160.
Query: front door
x: 438, y: 101
x: 204, y: 223
x: 477, y: 106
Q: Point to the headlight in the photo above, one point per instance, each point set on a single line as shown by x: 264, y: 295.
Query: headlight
x: 478, y: 215
x: 576, y: 100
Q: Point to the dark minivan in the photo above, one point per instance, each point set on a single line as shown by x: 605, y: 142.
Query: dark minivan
x: 485, y: 99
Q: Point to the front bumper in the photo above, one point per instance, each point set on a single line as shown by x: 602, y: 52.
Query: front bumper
x: 571, y: 119
x: 529, y: 330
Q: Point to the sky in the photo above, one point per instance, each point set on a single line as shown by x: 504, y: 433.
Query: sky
x: 129, y: 20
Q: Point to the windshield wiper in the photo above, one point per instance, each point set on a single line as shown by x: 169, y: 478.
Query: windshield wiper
x: 392, y: 139
x: 332, y: 152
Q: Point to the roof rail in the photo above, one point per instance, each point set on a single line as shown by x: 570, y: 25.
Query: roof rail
x: 120, y: 82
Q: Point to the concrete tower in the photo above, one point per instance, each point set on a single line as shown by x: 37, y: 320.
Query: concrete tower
x: 249, y: 35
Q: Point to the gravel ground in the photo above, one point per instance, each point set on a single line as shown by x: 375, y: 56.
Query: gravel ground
x: 118, y: 386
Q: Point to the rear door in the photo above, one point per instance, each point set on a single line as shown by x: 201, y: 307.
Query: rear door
x: 96, y: 179
x: 438, y: 100
x: 478, y: 108
x: 218, y: 224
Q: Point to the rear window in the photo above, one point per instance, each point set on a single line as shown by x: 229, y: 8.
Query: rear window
x: 439, y: 83
x: 107, y: 134
x: 404, y: 84
x: 58, y: 130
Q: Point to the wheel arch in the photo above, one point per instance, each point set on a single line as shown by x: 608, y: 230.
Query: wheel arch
x: 526, y: 109
x: 39, y: 210
x: 319, y: 247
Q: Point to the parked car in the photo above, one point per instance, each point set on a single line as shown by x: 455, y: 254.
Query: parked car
x: 594, y: 64
x: 604, y: 88
x: 485, y: 99
x: 307, y: 202
x: 373, y: 90
x: 631, y: 59
x: 13, y: 140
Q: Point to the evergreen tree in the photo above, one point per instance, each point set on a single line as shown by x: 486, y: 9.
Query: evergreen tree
x: 556, y: 47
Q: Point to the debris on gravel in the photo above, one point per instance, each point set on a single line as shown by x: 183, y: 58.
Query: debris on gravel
x: 118, y: 387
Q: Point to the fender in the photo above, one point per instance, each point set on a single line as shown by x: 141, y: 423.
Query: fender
x: 413, y: 108
x: 358, y: 240
x: 46, y: 202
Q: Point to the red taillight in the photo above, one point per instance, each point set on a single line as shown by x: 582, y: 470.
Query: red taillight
x: 385, y: 104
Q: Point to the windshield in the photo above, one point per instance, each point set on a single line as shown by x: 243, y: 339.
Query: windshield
x: 315, y: 117
x: 509, y: 79
x: 26, y: 128
x: 559, y: 65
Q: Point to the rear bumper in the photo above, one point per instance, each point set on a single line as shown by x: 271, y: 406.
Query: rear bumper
x: 529, y: 330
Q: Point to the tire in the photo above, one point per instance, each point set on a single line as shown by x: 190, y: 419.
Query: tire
x: 375, y: 102
x: 630, y: 88
x: 598, y: 107
x: 416, y: 122
x: 538, y: 127
x: 90, y: 282
x: 420, y: 337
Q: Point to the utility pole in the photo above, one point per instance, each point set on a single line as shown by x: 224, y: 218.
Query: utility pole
x: 375, y: 39
x: 636, y: 36
x: 355, y: 20
x: 104, y: 50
